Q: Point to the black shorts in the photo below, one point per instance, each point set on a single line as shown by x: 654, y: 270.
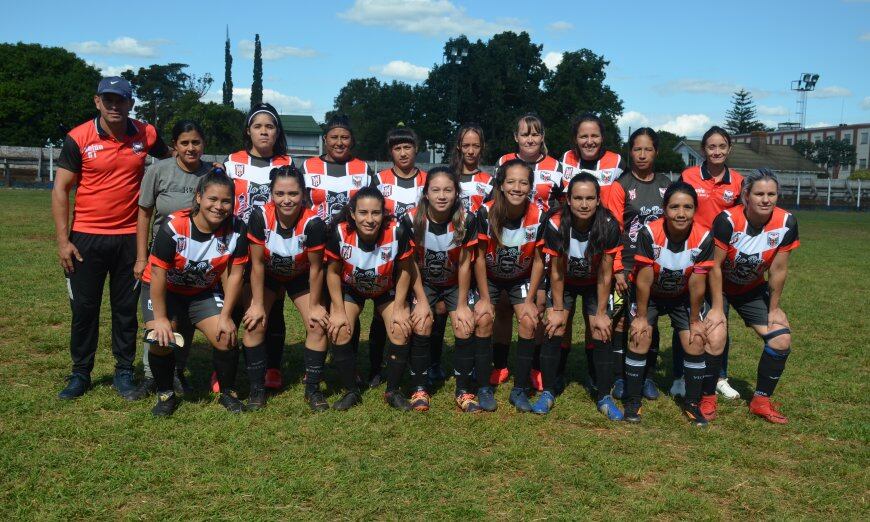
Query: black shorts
x: 450, y: 296
x: 184, y: 309
x: 752, y: 306
x: 678, y: 309
x: 295, y: 287
x: 588, y: 293
x: 517, y: 291
x: 351, y: 296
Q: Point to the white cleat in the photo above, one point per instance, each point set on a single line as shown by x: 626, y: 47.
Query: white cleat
x: 726, y: 390
x: 678, y: 388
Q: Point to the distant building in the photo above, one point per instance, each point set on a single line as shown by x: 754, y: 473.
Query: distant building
x: 858, y: 135
x: 304, y: 135
x: 753, y: 155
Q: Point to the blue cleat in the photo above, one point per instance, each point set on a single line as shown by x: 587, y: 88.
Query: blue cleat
x: 125, y: 386
x: 77, y: 385
x: 609, y: 408
x: 650, y: 391
x: 544, y: 403
x: 520, y: 399
x: 486, y: 398
x: 618, y: 389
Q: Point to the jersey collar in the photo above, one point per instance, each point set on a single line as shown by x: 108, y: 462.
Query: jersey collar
x: 705, y: 174
x: 131, y: 129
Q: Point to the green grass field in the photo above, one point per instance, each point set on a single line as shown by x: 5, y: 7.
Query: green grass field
x: 102, y: 457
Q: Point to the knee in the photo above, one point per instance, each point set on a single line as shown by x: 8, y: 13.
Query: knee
x: 314, y: 332
x: 526, y: 327
x: 424, y: 328
x: 159, y: 350
x: 780, y: 342
x: 440, y: 308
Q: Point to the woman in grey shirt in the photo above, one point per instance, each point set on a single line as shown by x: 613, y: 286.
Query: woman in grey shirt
x: 168, y: 186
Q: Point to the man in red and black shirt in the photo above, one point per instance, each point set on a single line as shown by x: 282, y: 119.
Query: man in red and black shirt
x: 104, y: 159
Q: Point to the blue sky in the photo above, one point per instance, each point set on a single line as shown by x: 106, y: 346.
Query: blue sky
x: 674, y: 64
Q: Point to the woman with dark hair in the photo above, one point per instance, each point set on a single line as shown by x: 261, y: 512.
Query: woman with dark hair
x: 465, y: 161
x: 582, y: 238
x: 635, y: 199
x: 509, y: 260
x: 718, y: 189
x: 166, y: 188
x: 673, y: 257
x: 369, y: 257
x: 182, y: 284
x: 265, y: 147
x: 287, y: 241
x: 751, y: 239
x: 444, y: 239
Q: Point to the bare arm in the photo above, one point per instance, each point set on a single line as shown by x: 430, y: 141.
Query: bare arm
x: 480, y: 272
x: 715, y: 280
x: 557, y: 283
x: 143, y: 234
x: 642, y: 290
x: 776, y: 278
x: 605, y: 279
x: 66, y: 251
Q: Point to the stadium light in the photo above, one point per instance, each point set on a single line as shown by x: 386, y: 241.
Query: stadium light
x: 805, y: 83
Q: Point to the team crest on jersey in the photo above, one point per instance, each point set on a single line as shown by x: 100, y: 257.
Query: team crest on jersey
x: 606, y: 176
x: 744, y: 268
x: 632, y: 194
x: 315, y: 180
x: 222, y: 246
x: 138, y: 147
x: 671, y: 281
x: 657, y: 250
x: 507, y: 261
x: 386, y: 253
x: 695, y: 252
x: 282, y: 264
x: 240, y: 170
x: 357, y: 181
x: 772, y: 239
x: 530, y: 234
x: 546, y: 175
x: 735, y: 237
x: 387, y: 190
x: 435, y: 262
x: 481, y: 189
x: 728, y: 196
x: 662, y: 191
x: 366, y: 279
x: 578, y: 267
x: 180, y: 244
x: 346, y: 250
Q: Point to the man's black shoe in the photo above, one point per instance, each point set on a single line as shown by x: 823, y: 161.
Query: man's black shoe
x: 76, y: 386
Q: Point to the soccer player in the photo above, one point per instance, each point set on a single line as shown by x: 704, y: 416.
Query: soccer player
x: 105, y: 159
x: 582, y: 239
x: 635, y: 200
x: 751, y: 239
x: 369, y: 257
x: 465, y: 161
x: 287, y: 240
x: 444, y: 239
x: 718, y: 188
x: 265, y: 147
x: 182, y: 284
x: 167, y: 187
x: 673, y: 257
x: 509, y: 260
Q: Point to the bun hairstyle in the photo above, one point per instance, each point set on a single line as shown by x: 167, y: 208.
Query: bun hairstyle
x: 644, y: 131
x: 754, y: 177
x: 456, y: 161
x: 457, y: 211
x: 216, y: 176
x: 575, y: 128
x: 679, y: 187
x: 498, y: 213
x: 366, y: 192
x: 339, y: 121
x: 280, y: 147
x: 535, y: 123
x: 289, y: 171
x: 598, y: 227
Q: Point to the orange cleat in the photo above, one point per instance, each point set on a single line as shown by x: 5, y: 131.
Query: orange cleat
x: 499, y: 376
x: 215, y: 385
x: 763, y: 407
x: 420, y: 400
x: 274, y: 380
x: 708, y: 406
x: 536, y: 379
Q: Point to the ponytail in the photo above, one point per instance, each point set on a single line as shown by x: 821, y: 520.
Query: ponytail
x: 217, y: 176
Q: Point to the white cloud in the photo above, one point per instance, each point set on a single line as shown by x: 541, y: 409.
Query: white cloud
x: 689, y: 125
x: 864, y: 37
x: 552, y: 60
x: 561, y: 25
x: 633, y: 119
x: 401, y: 70
x: 865, y: 103
x: 113, y: 70
x: 820, y: 124
x: 765, y: 110
x: 283, y: 102
x: 436, y: 18
x: 698, y: 86
x: 830, y: 92
x: 274, y: 52
x: 123, y: 46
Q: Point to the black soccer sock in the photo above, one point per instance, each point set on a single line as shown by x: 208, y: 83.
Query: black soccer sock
x: 344, y: 359
x: 314, y: 363
x: 162, y: 368
x: 226, y: 365
x: 652, y: 356
x: 183, y: 353
x: 500, y: 355
x: 523, y: 363
x: 354, y: 338
x: 602, y: 355
x: 563, y: 359
x: 634, y: 366
x: 711, y: 374
x: 420, y: 359
x: 463, y: 364
x: 397, y: 361
x: 377, y: 340
x: 619, y: 349
x: 255, y: 363
x: 677, y: 351
x: 694, y: 368
x: 436, y: 348
x: 276, y: 332
x: 589, y: 349
x: 483, y: 359
x: 550, y: 362
x: 536, y: 358
x: 770, y: 368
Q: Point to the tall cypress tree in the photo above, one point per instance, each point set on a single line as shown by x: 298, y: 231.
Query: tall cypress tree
x: 740, y: 119
x: 257, y: 86
x: 228, y: 73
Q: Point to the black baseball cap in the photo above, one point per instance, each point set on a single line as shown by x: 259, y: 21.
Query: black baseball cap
x: 115, y: 85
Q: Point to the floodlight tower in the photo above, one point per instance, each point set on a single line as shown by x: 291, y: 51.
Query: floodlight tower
x: 803, y: 85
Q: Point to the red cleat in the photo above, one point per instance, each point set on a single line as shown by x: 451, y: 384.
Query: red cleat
x: 274, y: 380
x: 536, y: 379
x: 708, y: 406
x: 215, y: 385
x: 499, y: 376
x: 763, y: 407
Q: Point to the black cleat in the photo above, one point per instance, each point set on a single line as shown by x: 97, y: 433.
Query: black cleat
x: 229, y: 399
x: 693, y: 412
x: 396, y: 400
x: 166, y: 404
x: 147, y: 387
x: 347, y: 401
x: 316, y: 401
x: 257, y: 399
x: 631, y: 410
x: 77, y: 385
x: 180, y: 384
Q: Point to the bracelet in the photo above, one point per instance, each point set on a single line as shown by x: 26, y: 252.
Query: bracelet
x: 138, y: 260
x: 558, y: 309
